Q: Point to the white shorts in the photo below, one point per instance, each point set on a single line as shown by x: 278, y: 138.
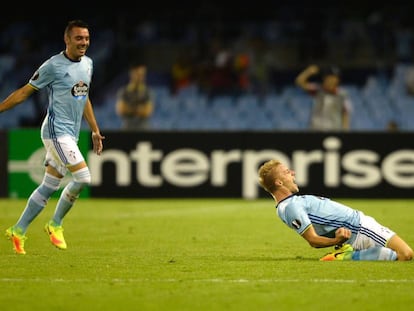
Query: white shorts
x: 62, y: 152
x: 371, y: 234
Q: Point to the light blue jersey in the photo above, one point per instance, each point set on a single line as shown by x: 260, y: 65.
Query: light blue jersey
x: 68, y: 84
x: 300, y: 211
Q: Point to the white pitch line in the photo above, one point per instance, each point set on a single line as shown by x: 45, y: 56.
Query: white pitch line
x: 138, y: 280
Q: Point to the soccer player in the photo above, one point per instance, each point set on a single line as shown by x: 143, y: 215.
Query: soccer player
x: 67, y: 77
x: 324, y: 223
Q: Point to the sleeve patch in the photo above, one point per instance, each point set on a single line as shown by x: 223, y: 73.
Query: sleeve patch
x: 296, y: 223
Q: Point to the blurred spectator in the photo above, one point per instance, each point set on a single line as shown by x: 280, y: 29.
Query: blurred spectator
x: 182, y: 73
x: 222, y: 80
x: 220, y: 69
x: 392, y: 126
x: 135, y: 100
x: 241, y: 66
x: 262, y: 62
x: 332, y: 107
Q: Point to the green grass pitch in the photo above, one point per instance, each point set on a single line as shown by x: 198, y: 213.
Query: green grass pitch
x: 194, y: 254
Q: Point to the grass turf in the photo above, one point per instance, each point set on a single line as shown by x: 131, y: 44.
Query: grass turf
x: 194, y: 254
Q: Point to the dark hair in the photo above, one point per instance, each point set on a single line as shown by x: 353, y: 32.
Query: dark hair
x: 134, y: 63
x: 75, y: 23
x: 330, y: 70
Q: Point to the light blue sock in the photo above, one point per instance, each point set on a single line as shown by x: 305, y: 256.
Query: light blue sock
x: 66, y: 201
x: 375, y: 253
x: 37, y: 201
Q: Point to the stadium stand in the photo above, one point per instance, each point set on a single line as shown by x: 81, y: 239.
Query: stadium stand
x: 375, y: 80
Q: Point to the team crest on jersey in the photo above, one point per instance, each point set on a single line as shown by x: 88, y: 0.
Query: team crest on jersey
x: 80, y: 90
x: 72, y: 154
x: 296, y: 223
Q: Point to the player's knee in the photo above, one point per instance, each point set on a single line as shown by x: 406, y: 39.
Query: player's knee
x: 405, y: 254
x: 82, y: 176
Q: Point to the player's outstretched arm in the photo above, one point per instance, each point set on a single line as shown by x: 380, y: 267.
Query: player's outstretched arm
x: 17, y: 97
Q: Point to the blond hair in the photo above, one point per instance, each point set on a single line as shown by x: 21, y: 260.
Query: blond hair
x: 267, y: 175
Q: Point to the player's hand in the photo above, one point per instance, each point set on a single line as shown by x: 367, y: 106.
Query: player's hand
x: 97, y: 142
x: 342, y: 234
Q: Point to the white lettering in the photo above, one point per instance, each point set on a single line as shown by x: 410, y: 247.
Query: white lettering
x: 332, y: 162
x: 398, y: 168
x: 302, y: 161
x: 361, y: 169
x: 188, y: 167
x: 221, y: 160
x: 144, y: 156
x: 185, y: 168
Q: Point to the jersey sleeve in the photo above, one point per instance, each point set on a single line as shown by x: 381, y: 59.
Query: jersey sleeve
x: 297, y: 218
x: 43, y: 76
